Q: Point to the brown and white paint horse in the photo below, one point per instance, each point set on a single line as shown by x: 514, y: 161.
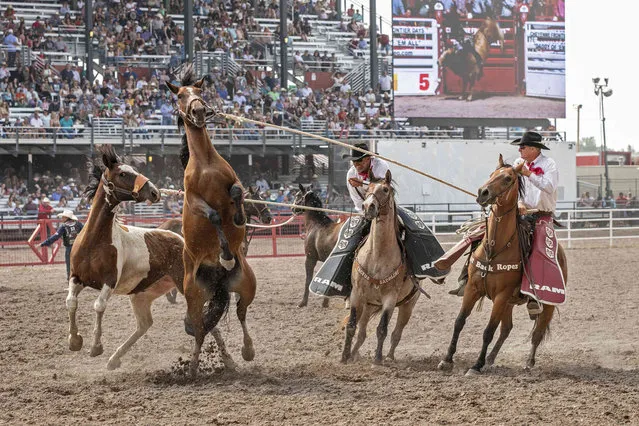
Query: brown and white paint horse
x: 213, y: 227
x: 141, y: 263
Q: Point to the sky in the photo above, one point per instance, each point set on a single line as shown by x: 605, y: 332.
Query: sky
x: 600, y: 43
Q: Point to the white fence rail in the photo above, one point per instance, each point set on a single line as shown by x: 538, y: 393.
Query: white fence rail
x: 578, y: 225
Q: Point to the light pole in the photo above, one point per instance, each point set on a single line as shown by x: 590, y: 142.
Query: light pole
x: 578, y: 108
x: 602, y: 90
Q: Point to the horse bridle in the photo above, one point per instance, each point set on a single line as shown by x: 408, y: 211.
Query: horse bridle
x: 112, y: 190
x: 187, y: 116
x: 379, y: 203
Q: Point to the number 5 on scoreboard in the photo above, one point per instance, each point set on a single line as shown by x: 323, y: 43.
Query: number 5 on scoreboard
x: 424, y: 82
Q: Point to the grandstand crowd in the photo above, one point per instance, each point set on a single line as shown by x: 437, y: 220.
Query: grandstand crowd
x: 65, y: 100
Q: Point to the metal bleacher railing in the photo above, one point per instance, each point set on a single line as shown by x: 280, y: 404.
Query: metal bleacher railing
x: 113, y: 130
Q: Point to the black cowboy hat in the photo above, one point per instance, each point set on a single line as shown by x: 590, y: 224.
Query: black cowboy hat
x: 530, y: 139
x: 357, y: 155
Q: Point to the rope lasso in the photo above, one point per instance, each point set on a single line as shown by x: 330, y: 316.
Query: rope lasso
x: 239, y: 119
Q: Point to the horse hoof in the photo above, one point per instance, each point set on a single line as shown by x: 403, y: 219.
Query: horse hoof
x: 229, y: 364
x: 325, y: 302
x: 445, y: 365
x: 113, y: 364
x: 248, y: 353
x: 96, y: 350
x: 390, y: 357
x: 461, y: 98
x: 75, y: 342
x: 302, y: 304
x: 472, y: 372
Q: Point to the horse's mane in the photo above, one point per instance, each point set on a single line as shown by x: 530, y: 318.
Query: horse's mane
x: 96, y: 167
x: 520, y: 182
x: 315, y: 201
x: 187, y: 76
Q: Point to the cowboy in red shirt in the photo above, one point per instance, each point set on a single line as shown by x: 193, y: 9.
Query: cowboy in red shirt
x: 44, y: 209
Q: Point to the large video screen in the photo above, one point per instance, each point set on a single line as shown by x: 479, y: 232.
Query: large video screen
x: 456, y: 61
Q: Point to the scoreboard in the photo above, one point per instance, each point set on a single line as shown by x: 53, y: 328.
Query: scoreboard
x: 415, y: 54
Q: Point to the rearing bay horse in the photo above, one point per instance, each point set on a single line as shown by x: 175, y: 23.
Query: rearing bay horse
x: 261, y: 212
x: 380, y: 275
x: 213, y: 227
x: 500, y: 246
x: 465, y: 63
x: 321, y: 236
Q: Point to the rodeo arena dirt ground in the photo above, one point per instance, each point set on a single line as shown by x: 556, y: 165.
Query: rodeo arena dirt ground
x: 586, y: 373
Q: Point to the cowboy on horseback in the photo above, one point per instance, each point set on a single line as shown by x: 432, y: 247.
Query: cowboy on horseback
x: 421, y: 246
x: 541, y: 178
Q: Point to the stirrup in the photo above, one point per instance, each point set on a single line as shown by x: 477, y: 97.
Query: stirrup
x: 459, y: 291
x: 534, y: 308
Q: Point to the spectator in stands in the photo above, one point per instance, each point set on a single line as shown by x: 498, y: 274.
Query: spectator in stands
x: 45, y: 209
x: 66, y: 123
x: 261, y: 184
x: 385, y: 83
x: 30, y: 207
x: 36, y: 122
x: 398, y: 8
x: 621, y: 200
x: 68, y: 231
x: 12, y: 43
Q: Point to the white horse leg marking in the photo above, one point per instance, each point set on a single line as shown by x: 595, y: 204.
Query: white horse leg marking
x: 141, y: 304
x: 99, y: 306
x: 75, y: 339
x: 226, y: 357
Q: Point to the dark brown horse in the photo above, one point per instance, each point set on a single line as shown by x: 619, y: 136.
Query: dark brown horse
x: 253, y: 211
x: 501, y: 245
x: 321, y: 235
x: 213, y: 227
x: 380, y: 277
x: 465, y: 63
x: 116, y: 259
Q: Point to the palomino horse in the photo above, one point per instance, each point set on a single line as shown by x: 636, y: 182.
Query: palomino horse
x: 500, y: 245
x: 213, y: 227
x: 261, y: 212
x: 465, y: 63
x: 116, y: 259
x: 380, y: 275
x: 321, y: 236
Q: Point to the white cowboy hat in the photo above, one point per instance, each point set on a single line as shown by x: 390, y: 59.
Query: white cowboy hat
x: 46, y: 200
x: 68, y: 214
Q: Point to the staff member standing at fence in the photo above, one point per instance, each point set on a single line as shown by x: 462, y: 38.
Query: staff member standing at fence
x: 68, y: 231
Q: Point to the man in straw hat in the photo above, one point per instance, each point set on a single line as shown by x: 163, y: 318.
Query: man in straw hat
x: 68, y: 231
x: 540, y: 181
x: 422, y: 248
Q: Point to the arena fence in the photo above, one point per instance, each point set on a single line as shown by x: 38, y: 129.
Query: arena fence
x: 19, y: 238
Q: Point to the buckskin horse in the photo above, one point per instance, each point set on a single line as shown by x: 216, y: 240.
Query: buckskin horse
x: 321, y: 236
x: 261, y: 212
x: 116, y: 259
x: 380, y: 275
x: 468, y: 65
x: 500, y: 246
x: 213, y: 226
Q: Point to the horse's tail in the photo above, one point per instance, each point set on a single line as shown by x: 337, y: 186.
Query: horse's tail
x: 215, y: 280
